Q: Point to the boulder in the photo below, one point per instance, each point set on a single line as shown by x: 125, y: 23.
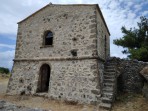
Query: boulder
x: 144, y: 72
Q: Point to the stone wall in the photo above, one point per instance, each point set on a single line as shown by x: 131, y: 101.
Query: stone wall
x: 129, y: 78
x: 75, y: 80
x: 103, y: 45
x: 72, y: 26
x: 101, y: 73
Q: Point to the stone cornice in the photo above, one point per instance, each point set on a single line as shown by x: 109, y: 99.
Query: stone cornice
x: 58, y: 58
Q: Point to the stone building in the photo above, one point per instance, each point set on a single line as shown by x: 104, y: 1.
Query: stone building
x: 60, y: 52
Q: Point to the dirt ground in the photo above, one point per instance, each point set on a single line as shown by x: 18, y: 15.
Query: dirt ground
x: 124, y: 102
x: 41, y: 102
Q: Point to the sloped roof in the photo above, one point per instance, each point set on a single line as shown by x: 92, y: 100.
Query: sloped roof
x: 98, y: 8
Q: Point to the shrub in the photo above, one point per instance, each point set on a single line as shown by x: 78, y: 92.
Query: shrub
x: 4, y: 70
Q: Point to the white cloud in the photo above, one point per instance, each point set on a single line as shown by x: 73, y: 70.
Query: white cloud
x: 138, y: 7
x: 145, y: 13
x: 13, y: 11
x: 7, y: 46
x: 116, y: 51
x: 120, y: 13
x: 6, y: 59
x: 130, y: 3
x: 117, y: 13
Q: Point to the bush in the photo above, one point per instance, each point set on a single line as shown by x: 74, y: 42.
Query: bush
x: 4, y: 70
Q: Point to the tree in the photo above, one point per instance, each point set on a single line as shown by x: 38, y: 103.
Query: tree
x: 4, y: 70
x: 135, y: 41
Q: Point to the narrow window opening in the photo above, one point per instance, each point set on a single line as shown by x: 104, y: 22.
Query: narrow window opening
x: 48, y: 38
x: 105, y: 46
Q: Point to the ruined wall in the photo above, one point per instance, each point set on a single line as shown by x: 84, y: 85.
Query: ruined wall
x: 101, y: 34
x: 66, y: 22
x: 129, y: 78
x: 75, y: 80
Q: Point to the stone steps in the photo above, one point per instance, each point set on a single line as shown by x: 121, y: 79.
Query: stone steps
x: 110, y: 63
x: 108, y: 89
x: 106, y: 100
x: 106, y: 106
x: 110, y: 70
x: 109, y: 83
x: 109, y: 77
x: 109, y: 80
x: 109, y: 73
x: 107, y: 94
x: 110, y: 67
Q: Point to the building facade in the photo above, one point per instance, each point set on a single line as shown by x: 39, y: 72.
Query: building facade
x: 60, y: 51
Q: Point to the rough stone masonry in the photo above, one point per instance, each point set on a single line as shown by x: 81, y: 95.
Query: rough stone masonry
x: 70, y: 66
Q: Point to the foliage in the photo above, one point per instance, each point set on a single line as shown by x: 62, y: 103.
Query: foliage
x: 4, y: 70
x: 135, y: 41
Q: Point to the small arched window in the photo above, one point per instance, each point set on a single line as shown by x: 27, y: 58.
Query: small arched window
x: 48, y: 38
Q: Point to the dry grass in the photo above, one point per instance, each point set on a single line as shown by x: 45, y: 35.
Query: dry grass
x: 4, y: 78
x: 131, y: 102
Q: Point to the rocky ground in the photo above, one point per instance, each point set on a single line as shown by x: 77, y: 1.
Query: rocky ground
x: 124, y: 102
x: 26, y: 103
x: 6, y: 106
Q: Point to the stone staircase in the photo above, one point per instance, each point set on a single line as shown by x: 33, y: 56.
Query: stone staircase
x: 109, y: 86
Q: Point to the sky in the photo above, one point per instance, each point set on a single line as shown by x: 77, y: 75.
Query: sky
x: 117, y: 13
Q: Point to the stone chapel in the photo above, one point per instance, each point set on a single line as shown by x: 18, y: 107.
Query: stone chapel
x: 60, y: 52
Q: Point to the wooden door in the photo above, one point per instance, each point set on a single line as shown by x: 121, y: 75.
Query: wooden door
x: 44, y: 77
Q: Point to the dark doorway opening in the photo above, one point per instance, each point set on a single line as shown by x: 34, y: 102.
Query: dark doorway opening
x: 44, y: 77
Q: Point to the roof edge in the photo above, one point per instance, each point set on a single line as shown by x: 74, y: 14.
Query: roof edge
x: 32, y: 14
x: 54, y: 5
x: 103, y: 18
x: 68, y: 5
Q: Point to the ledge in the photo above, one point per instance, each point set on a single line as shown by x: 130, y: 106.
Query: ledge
x: 46, y: 46
x: 59, y: 58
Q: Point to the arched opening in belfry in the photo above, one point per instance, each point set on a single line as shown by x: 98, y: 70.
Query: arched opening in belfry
x: 44, y: 78
x: 48, y: 38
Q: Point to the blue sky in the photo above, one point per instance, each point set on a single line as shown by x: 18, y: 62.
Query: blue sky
x: 117, y: 13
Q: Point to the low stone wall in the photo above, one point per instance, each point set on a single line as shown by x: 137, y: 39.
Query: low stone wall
x: 128, y: 75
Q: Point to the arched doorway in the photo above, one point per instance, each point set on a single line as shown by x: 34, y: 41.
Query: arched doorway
x: 44, y: 77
